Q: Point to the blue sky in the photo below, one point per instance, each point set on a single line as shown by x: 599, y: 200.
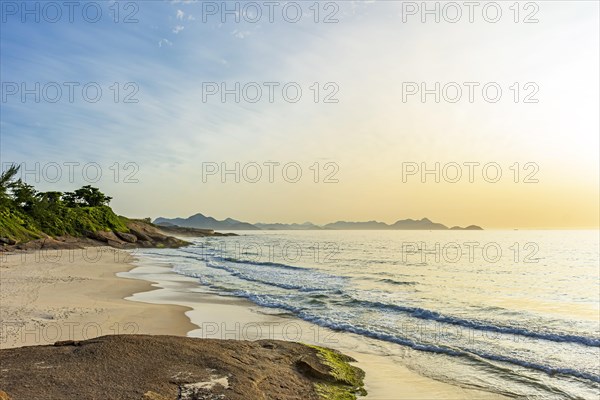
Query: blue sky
x: 166, y: 62
x: 174, y: 48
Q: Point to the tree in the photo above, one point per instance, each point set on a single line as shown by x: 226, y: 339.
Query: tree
x: 47, y: 203
x: 90, y: 196
x: 6, y: 180
x: 23, y: 195
x: 49, y: 197
x: 71, y: 199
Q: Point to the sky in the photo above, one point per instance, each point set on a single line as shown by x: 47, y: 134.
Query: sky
x: 310, y: 111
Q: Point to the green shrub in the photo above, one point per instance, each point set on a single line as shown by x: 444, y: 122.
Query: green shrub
x: 17, y: 226
x: 26, y: 214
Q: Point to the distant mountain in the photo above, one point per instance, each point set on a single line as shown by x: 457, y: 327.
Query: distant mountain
x: 421, y: 224
x: 404, y: 224
x: 343, y: 225
x: 165, y: 224
x: 203, y: 222
x: 467, y: 228
x: 287, y: 227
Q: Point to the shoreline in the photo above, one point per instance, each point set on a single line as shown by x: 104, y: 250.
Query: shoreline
x: 228, y: 317
x: 80, y: 294
x: 50, y: 296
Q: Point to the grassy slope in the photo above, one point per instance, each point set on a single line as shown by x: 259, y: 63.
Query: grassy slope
x: 76, y: 222
x: 17, y: 226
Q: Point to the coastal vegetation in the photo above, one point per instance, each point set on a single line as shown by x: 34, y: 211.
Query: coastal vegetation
x: 27, y: 214
x: 79, y: 218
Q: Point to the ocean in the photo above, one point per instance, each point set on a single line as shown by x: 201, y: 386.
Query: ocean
x: 510, y: 312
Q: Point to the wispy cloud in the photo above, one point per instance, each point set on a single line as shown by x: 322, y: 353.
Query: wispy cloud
x: 164, y: 42
x: 240, y: 34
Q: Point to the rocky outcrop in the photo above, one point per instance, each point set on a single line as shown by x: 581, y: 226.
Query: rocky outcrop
x: 154, y: 396
x: 141, y: 234
x: 7, y: 241
x: 56, y: 243
x: 102, y: 236
x: 148, y: 235
x: 191, y: 232
x: 135, y: 367
x: 127, y: 237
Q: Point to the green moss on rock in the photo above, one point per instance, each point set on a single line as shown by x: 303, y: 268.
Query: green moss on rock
x: 348, y: 379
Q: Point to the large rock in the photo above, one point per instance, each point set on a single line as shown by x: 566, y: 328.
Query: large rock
x: 128, y: 237
x: 30, y: 245
x: 142, y: 234
x: 59, y: 244
x: 135, y: 367
x: 7, y: 241
x: 139, y: 234
x: 146, y: 232
x: 150, y: 395
x: 103, y: 236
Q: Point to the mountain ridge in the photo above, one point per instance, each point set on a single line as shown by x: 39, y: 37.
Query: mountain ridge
x: 201, y: 221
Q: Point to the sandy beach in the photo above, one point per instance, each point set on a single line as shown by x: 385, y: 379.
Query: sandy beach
x: 80, y: 294
x: 49, y: 296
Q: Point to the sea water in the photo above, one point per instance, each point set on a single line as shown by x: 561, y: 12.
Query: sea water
x: 511, y: 312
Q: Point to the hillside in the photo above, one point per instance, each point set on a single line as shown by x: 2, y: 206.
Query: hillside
x: 32, y: 220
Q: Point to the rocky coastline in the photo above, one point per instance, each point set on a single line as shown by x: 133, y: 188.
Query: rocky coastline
x: 155, y: 367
